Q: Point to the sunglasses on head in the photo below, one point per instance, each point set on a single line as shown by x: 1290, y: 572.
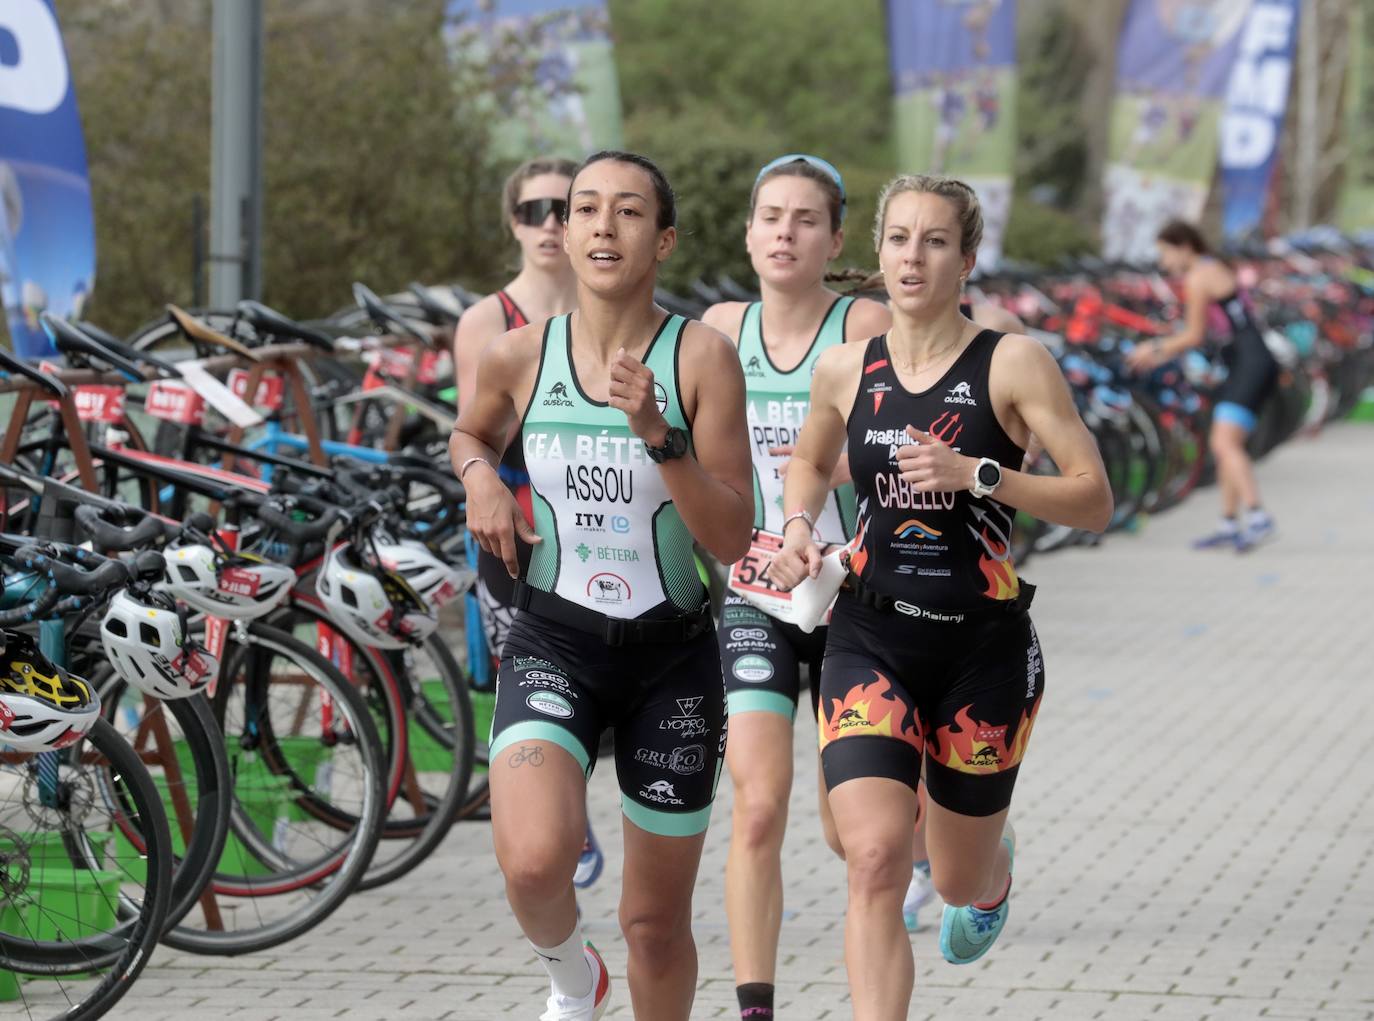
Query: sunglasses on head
x: 534, y: 212
x: 824, y: 166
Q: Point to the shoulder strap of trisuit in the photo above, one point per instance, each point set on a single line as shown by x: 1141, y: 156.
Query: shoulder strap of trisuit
x: 553, y: 359
x: 515, y: 317
x: 750, y: 330
x: 833, y: 325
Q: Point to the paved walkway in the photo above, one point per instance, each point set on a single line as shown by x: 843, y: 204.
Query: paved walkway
x: 1195, y: 817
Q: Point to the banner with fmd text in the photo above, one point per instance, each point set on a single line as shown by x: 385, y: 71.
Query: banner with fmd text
x: 1173, y: 63
x: 1256, y: 98
x: 549, y: 69
x: 954, y: 79
x: 47, y: 232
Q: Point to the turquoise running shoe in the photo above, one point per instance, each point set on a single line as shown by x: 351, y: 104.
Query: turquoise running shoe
x: 967, y: 933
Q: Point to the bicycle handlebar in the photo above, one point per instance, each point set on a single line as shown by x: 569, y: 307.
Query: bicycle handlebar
x: 117, y: 536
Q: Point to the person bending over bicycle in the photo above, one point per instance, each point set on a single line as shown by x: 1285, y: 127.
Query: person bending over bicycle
x: 1213, y: 300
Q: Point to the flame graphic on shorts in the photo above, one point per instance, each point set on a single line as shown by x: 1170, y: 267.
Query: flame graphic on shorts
x: 972, y: 746
x: 870, y: 710
x: 1000, y: 573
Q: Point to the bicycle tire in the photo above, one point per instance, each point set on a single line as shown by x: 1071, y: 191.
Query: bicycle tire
x: 111, y: 960
x: 316, y: 886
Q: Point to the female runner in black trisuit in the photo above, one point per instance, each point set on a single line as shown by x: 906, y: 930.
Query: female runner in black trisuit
x: 932, y: 663
x: 1211, y: 293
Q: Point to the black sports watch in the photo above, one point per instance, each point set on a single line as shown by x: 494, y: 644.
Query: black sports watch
x: 674, y: 446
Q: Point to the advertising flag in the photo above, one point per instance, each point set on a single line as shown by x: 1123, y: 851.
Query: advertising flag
x: 954, y: 82
x: 551, y: 72
x: 1252, y: 119
x: 47, y: 231
x: 1173, y: 65
x: 1357, y: 192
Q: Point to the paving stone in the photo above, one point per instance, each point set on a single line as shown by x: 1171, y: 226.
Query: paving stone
x: 1195, y: 817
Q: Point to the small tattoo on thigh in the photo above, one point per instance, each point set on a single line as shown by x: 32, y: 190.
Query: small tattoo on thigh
x: 533, y: 754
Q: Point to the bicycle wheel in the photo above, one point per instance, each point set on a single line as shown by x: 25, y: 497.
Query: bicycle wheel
x: 288, y: 863
x: 77, y: 909
x: 181, y: 744
x: 439, y: 763
x: 424, y: 790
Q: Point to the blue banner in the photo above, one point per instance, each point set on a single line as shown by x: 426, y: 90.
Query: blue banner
x: 1252, y: 118
x: 954, y: 82
x: 47, y: 231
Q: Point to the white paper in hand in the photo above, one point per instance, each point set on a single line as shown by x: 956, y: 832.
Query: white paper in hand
x: 813, y: 598
x: 808, y: 604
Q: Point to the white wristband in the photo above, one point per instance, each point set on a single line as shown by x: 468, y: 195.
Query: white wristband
x: 804, y: 515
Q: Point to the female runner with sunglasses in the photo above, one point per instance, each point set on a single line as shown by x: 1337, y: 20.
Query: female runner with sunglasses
x: 794, y: 229
x: 932, y: 664
x: 534, y: 198
x: 633, y: 426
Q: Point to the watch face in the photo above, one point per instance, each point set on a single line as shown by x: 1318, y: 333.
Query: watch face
x: 989, y: 474
x: 677, y: 442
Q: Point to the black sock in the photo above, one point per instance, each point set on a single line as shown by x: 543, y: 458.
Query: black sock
x: 755, y: 1001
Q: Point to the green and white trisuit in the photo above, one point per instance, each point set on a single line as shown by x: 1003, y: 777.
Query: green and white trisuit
x: 612, y: 543
x: 761, y: 655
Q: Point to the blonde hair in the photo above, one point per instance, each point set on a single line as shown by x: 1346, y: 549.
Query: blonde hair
x: 960, y: 195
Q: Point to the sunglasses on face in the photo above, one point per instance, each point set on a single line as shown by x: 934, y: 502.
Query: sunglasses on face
x: 535, y: 211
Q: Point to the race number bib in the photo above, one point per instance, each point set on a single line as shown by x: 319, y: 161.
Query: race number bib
x: 807, y: 605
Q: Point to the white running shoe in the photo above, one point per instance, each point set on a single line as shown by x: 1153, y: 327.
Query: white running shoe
x: 584, y: 1008
x: 918, y: 895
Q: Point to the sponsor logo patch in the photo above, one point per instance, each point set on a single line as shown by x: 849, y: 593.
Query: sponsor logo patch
x: 550, y: 704
x: 752, y: 669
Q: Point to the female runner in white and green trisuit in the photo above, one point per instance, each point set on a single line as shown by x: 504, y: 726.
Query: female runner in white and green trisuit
x: 794, y: 230
x: 633, y: 427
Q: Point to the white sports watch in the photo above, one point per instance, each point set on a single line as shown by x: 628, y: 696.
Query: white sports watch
x: 987, y: 476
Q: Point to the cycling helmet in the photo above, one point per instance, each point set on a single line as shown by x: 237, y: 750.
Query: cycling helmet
x: 42, y: 707
x: 148, y: 646
x: 371, y: 604
x: 238, y: 586
x: 436, y: 582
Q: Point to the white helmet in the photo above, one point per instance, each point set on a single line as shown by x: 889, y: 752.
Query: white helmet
x: 149, y: 647
x: 237, y: 586
x: 436, y: 582
x: 42, y: 707
x: 374, y: 606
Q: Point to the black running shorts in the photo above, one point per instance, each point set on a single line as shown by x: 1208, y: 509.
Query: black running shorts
x: 665, y: 701
x: 762, y: 659
x: 901, y: 694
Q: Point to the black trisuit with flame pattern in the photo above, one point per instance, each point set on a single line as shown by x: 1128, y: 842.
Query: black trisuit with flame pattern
x: 931, y: 653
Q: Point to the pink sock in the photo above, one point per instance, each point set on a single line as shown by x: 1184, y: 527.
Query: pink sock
x: 994, y: 904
